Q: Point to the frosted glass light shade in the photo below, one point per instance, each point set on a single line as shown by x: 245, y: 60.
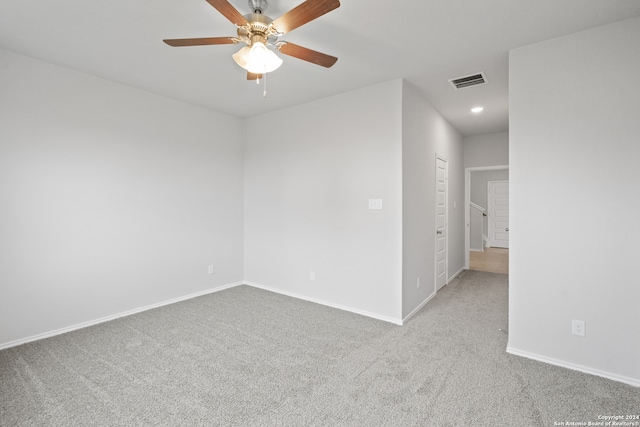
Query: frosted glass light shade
x: 242, y: 57
x: 257, y: 59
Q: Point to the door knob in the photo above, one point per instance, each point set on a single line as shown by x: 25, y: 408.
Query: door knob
x: 439, y: 232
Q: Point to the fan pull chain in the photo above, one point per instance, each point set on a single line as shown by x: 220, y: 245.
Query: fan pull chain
x: 264, y: 81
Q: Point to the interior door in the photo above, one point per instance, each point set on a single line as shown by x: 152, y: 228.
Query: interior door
x: 498, y: 201
x: 441, y: 223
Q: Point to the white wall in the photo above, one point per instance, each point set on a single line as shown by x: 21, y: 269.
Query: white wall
x: 486, y: 150
x: 118, y: 199
x: 426, y: 133
x: 111, y: 199
x: 476, y: 228
x: 574, y: 151
x: 309, y: 173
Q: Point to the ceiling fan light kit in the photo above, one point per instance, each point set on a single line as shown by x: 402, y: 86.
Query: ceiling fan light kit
x: 259, y: 32
x: 257, y: 59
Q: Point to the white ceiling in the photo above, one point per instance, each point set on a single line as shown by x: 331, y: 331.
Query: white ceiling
x: 425, y: 42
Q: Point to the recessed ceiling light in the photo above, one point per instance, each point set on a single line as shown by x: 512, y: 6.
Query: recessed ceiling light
x: 477, y: 110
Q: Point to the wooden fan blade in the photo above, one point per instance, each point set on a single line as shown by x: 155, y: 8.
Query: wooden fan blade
x: 199, y: 42
x: 303, y: 13
x: 229, y: 12
x: 252, y: 76
x: 308, y: 55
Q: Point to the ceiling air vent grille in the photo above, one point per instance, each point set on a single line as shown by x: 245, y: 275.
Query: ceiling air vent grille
x: 468, y: 81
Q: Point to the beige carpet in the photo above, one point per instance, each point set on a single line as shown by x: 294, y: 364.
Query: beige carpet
x: 247, y: 357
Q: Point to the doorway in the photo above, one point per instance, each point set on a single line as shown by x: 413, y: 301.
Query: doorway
x: 475, y: 177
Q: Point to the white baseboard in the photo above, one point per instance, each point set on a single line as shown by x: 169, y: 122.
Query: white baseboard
x: 429, y: 298
x: 635, y: 382
x: 417, y: 309
x: 454, y: 275
x: 328, y: 304
x: 113, y: 316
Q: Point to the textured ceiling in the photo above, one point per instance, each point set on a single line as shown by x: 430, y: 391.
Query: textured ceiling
x: 425, y: 42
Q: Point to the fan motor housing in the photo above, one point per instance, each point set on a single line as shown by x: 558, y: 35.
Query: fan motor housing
x: 259, y: 26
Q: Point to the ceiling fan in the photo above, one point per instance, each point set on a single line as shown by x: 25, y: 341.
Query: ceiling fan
x: 258, y: 32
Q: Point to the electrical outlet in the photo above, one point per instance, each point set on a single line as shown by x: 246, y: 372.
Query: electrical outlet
x: 418, y: 283
x: 312, y: 275
x: 375, y: 204
x: 211, y: 269
x: 577, y: 328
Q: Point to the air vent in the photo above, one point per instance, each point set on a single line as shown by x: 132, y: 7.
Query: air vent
x: 468, y: 81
